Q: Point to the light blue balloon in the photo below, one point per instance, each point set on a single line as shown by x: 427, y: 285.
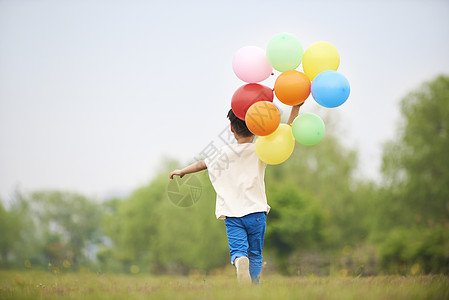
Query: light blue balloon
x: 330, y: 89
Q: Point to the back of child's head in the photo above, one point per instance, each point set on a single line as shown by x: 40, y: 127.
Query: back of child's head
x: 239, y: 125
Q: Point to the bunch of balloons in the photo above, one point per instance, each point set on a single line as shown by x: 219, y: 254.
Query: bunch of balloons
x: 253, y: 102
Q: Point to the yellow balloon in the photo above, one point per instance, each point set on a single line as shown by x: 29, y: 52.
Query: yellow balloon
x: 277, y: 147
x: 319, y: 57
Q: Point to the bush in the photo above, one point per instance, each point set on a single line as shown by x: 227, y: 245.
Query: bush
x: 413, y: 251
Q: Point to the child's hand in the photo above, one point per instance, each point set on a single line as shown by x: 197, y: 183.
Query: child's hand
x: 195, y: 167
x: 180, y: 173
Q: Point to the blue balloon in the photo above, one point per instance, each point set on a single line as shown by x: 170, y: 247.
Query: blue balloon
x: 330, y: 89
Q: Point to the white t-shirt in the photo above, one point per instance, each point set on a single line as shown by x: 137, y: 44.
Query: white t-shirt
x: 237, y: 174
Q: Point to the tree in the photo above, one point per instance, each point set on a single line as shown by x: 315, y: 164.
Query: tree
x: 296, y: 222
x: 149, y: 231
x: 9, y: 235
x: 416, y: 163
x: 415, y: 198
x: 66, y: 223
x: 326, y: 171
x: 319, y: 206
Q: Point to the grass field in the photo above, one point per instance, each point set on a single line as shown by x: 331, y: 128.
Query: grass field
x: 86, y: 285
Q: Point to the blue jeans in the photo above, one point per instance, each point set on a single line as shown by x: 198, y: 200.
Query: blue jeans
x: 245, y: 238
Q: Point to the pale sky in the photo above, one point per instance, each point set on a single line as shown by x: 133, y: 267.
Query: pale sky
x: 93, y: 94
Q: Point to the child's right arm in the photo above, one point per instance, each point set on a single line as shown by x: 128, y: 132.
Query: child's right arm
x: 195, y: 167
x: 294, y: 113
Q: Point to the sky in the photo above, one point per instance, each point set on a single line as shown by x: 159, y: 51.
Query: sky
x: 95, y: 94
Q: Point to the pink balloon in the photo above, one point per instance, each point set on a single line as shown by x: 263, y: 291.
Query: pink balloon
x: 251, y: 65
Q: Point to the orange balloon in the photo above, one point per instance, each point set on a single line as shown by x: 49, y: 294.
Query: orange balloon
x: 263, y: 118
x: 292, y: 87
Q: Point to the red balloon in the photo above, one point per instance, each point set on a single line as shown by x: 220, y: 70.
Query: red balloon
x: 247, y: 95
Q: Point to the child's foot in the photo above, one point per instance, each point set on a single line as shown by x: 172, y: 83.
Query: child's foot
x: 242, y: 266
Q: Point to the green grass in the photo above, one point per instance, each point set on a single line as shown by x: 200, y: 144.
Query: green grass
x: 86, y: 285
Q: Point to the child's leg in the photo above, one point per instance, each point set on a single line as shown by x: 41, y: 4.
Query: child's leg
x: 255, y: 226
x: 238, y: 248
x: 237, y: 238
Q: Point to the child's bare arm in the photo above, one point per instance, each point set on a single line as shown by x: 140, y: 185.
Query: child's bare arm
x: 294, y: 113
x: 195, y: 167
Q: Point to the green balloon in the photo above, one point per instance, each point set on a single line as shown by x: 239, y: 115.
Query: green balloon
x: 308, y: 129
x: 284, y: 52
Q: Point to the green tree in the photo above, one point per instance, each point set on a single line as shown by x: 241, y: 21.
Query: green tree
x: 27, y: 245
x: 9, y: 236
x: 296, y: 222
x: 326, y: 171
x: 149, y: 231
x: 416, y: 163
x: 67, y: 224
x: 424, y: 250
x: 110, y: 226
x: 414, y: 202
x: 319, y: 205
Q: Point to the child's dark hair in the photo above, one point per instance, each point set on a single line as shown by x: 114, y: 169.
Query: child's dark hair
x: 239, y: 125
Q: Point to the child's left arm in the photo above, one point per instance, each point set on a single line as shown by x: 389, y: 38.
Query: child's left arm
x: 294, y: 113
x: 195, y: 167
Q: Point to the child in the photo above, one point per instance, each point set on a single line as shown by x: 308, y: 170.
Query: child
x: 237, y: 175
